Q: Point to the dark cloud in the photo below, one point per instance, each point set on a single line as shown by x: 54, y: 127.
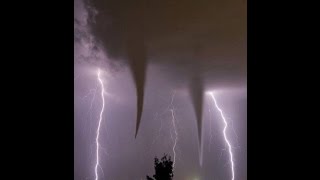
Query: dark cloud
x: 169, y: 33
x: 184, y: 45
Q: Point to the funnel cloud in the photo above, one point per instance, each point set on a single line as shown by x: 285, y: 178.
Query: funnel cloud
x: 167, y: 33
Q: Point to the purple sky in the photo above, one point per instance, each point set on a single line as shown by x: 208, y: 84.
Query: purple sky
x: 173, y: 59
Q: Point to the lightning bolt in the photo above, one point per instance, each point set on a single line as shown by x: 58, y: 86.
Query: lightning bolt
x: 98, y: 129
x: 176, y: 137
x: 224, y: 134
x: 175, y: 140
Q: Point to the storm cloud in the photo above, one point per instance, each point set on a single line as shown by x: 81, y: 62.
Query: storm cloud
x: 184, y: 45
x: 205, y: 37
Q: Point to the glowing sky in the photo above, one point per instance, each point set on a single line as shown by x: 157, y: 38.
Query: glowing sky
x: 188, y: 54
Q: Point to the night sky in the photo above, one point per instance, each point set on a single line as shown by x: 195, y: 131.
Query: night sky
x: 149, y: 50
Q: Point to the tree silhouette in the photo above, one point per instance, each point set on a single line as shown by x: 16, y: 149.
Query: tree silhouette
x: 163, y: 169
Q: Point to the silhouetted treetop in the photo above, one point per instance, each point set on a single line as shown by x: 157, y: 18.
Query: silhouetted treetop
x: 163, y: 169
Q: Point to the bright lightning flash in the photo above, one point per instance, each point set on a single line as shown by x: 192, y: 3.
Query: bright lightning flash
x: 174, y: 129
x: 176, y: 137
x: 224, y: 133
x: 98, y: 129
